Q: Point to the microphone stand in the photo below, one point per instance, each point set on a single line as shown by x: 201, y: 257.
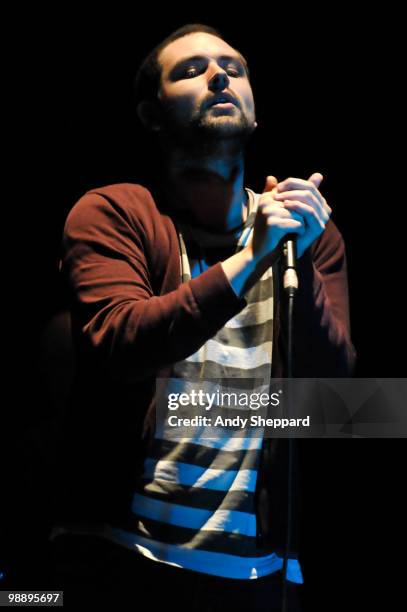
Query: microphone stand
x: 290, y: 283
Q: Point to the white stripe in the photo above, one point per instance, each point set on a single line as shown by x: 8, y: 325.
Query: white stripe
x: 253, y: 314
x: 185, y: 262
x: 210, y: 391
x: 256, y: 198
x: 230, y: 521
x: 246, y: 357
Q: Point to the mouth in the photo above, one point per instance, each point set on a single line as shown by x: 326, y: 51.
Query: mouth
x: 223, y: 105
x: 222, y: 101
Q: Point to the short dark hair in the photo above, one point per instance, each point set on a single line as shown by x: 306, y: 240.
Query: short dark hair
x: 147, y: 80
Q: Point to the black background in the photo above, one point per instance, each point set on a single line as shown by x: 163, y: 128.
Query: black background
x: 326, y: 85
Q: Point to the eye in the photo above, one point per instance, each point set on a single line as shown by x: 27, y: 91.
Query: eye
x: 191, y: 72
x: 232, y: 71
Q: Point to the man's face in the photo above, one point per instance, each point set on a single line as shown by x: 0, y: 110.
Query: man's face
x: 205, y: 89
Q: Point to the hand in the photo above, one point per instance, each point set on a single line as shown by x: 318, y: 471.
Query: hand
x: 303, y: 198
x: 273, y: 221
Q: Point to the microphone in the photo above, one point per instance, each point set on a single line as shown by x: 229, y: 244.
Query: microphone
x: 290, y: 278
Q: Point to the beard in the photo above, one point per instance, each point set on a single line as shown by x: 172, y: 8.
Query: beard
x: 208, y: 132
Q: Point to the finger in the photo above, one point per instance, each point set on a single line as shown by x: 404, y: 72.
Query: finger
x: 291, y: 225
x: 267, y: 202
x: 284, y: 213
x: 319, y: 203
x: 295, y: 215
x: 326, y: 206
x: 303, y: 196
x: 308, y: 212
x: 271, y: 183
x: 274, y: 209
x: 298, y: 194
x: 274, y: 216
x: 316, y: 178
x: 295, y: 183
x: 291, y: 184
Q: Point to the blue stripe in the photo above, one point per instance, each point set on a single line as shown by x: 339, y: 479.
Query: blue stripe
x: 231, y: 521
x: 216, y: 564
x: 233, y: 443
x: 193, y: 475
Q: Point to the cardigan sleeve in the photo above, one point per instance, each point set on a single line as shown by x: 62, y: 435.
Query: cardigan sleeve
x: 322, y: 342
x: 122, y: 326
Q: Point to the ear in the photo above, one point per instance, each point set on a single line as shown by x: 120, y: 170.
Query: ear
x: 149, y: 114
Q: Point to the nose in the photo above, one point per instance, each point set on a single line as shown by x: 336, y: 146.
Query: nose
x: 219, y: 79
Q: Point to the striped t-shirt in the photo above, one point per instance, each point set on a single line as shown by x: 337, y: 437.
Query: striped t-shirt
x: 195, y: 505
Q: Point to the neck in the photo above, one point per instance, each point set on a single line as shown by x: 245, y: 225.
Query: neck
x: 207, y: 187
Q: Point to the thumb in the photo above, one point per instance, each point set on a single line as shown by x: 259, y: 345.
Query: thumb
x: 316, y: 178
x: 271, y: 182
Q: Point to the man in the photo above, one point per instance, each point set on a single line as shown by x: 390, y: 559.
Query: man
x: 183, y: 281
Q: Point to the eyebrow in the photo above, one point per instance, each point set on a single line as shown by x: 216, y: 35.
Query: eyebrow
x: 199, y: 58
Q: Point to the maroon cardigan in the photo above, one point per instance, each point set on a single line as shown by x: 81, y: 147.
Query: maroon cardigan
x: 132, y: 318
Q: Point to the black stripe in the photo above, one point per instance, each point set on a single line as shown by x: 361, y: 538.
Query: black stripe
x: 204, y: 456
x: 214, y: 541
x: 250, y: 219
x: 212, y: 370
x: 204, y: 499
x: 261, y: 291
x: 245, y: 337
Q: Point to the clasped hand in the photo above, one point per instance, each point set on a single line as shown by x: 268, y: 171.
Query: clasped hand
x: 291, y: 206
